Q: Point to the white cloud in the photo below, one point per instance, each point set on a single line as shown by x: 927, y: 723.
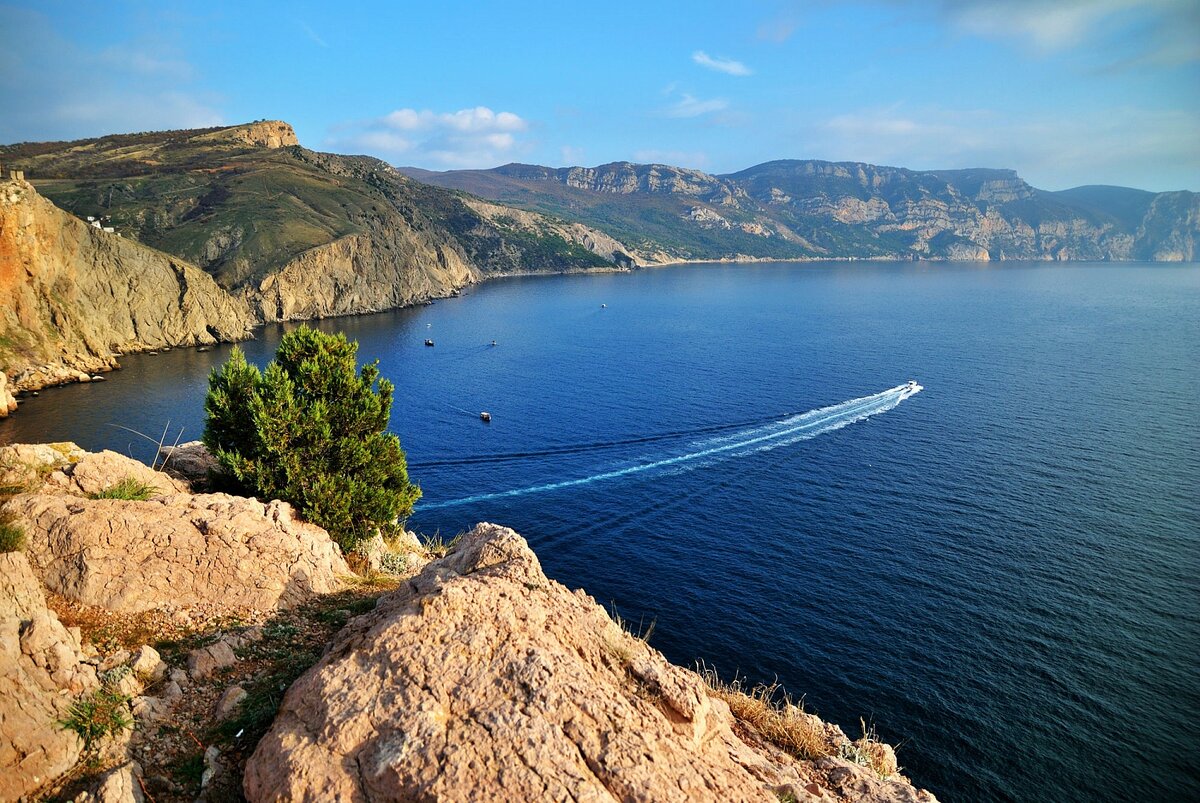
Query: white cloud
x: 1156, y: 31
x: 721, y: 64
x: 475, y: 137
x: 690, y: 106
x: 1127, y: 146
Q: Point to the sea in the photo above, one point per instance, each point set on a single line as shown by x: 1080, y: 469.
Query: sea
x: 996, y: 569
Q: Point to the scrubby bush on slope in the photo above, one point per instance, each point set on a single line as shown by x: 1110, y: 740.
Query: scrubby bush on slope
x: 311, y: 430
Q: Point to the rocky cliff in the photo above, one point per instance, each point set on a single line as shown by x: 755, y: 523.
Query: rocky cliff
x: 481, y: 679
x: 71, y: 295
x: 471, y: 677
x: 277, y: 231
x: 796, y: 209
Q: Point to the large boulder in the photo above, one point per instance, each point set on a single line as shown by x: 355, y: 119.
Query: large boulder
x: 177, y: 550
x: 41, y: 674
x: 94, y: 473
x: 482, y: 680
x: 24, y: 466
x: 191, y: 462
x: 7, y: 403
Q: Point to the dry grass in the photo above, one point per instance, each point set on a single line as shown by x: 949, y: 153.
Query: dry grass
x: 770, y: 712
x: 436, y: 546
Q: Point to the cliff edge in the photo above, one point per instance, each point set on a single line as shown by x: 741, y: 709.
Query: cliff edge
x: 482, y: 679
x: 469, y: 677
x: 72, y: 294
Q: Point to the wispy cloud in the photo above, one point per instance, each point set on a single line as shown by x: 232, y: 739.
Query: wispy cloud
x: 55, y: 88
x: 693, y: 159
x: 571, y: 156
x: 691, y: 106
x: 1127, y: 147
x: 778, y: 28
x: 1158, y: 31
x: 311, y: 34
x: 475, y: 137
x: 721, y: 64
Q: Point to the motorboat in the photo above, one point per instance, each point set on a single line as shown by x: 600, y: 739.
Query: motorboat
x: 485, y: 417
x: 428, y: 342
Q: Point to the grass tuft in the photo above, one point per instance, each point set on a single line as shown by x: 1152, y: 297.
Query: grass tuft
x: 99, y: 714
x: 129, y: 489
x: 12, y: 537
x: 769, y: 711
x: 871, y: 753
x: 439, y: 547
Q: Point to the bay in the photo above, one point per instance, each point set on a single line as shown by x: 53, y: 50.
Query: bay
x: 998, y: 573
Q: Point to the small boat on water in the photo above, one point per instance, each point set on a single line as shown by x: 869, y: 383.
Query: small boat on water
x: 485, y: 416
x: 428, y: 342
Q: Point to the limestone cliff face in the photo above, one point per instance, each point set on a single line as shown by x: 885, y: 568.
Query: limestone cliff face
x: 529, y: 223
x: 361, y: 273
x: 263, y: 134
x: 72, y: 294
x: 1171, y: 229
x: 806, y: 208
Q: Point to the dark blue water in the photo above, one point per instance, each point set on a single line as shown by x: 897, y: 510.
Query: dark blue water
x: 999, y: 572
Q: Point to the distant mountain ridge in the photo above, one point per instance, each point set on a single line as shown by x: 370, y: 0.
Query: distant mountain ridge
x: 800, y: 209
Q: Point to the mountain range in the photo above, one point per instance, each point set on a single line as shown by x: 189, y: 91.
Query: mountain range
x: 805, y: 209
x: 171, y: 238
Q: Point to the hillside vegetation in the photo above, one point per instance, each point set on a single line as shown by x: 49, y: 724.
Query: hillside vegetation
x: 815, y: 209
x: 246, y: 202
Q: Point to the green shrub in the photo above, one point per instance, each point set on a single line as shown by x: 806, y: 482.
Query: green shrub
x: 12, y: 537
x: 97, y: 715
x: 311, y: 430
x: 130, y: 489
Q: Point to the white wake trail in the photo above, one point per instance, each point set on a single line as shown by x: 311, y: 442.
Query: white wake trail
x: 784, y: 432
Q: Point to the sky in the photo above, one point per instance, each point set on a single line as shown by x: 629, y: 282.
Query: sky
x: 1067, y: 93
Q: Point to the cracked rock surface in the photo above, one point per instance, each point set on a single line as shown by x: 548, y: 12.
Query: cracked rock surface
x: 481, y: 679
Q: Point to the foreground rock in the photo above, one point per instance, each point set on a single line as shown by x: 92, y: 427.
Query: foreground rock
x: 209, y: 549
x: 212, y: 550
x: 24, y: 466
x: 95, y: 473
x: 41, y: 672
x: 483, y: 680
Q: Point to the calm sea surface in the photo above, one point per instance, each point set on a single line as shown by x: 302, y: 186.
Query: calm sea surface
x: 1000, y: 572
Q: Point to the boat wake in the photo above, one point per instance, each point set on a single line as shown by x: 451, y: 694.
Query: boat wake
x: 757, y: 437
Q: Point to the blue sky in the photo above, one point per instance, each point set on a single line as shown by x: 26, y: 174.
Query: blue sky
x: 1067, y: 93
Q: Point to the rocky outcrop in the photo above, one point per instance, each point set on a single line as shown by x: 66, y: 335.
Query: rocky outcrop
x: 262, y: 134
x: 481, y: 679
x: 71, y: 295
x: 505, y: 217
x: 210, y: 549
x: 91, y: 474
x: 8, y: 402
x: 190, y: 462
x: 360, y: 273
x: 25, y: 466
x: 41, y: 673
x: 796, y: 209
